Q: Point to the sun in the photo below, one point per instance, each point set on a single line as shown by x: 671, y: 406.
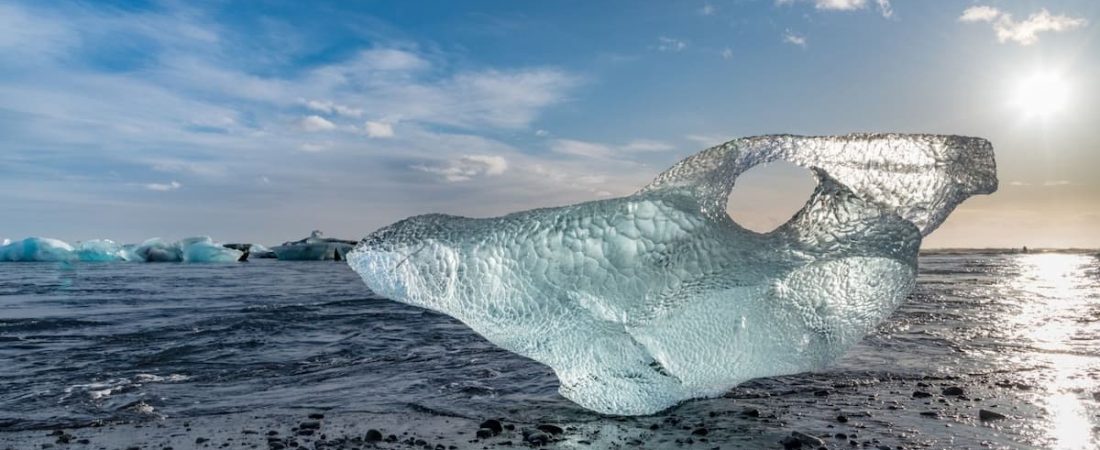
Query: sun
x: 1041, y: 94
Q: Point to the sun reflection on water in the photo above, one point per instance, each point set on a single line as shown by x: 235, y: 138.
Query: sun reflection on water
x: 1054, y: 298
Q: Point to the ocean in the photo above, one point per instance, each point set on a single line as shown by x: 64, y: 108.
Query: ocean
x: 218, y: 348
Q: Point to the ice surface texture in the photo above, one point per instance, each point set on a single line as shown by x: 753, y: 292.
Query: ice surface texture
x: 643, y: 301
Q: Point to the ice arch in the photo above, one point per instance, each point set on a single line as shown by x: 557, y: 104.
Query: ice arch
x: 643, y: 301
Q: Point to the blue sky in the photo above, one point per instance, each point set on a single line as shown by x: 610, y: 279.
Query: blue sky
x: 260, y: 121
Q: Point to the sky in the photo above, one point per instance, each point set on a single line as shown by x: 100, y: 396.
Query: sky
x: 262, y: 121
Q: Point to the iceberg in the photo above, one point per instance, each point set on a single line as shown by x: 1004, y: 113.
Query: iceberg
x: 314, y: 248
x: 195, y: 249
x: 98, y: 250
x: 36, y: 249
x: 640, y: 302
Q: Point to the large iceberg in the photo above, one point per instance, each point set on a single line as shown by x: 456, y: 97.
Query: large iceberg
x: 640, y: 302
x: 36, y: 249
x: 316, y: 247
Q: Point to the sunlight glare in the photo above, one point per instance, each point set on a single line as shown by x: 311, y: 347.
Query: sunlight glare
x: 1041, y: 94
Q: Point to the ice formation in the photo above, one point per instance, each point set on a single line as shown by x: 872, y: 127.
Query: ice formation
x: 314, y: 248
x: 640, y: 302
x: 195, y: 249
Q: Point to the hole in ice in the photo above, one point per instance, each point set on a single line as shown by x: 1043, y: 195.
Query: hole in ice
x: 767, y: 196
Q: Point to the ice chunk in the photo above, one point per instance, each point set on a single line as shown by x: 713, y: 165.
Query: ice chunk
x: 204, y: 249
x: 98, y: 250
x: 158, y: 250
x: 643, y: 301
x: 314, y: 248
x: 36, y: 249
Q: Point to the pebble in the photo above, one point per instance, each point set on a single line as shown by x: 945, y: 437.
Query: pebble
x: 842, y: 418
x: 492, y: 425
x: 552, y: 429
x: 812, y: 441
x: 484, y: 433
x: 701, y: 431
x: 373, y: 435
x: 921, y: 394
x: 953, y: 390
x: 985, y: 415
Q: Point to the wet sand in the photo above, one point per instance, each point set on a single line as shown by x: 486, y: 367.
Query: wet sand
x: 866, y: 412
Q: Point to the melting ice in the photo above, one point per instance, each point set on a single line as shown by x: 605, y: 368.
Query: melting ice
x: 640, y: 302
x: 194, y: 249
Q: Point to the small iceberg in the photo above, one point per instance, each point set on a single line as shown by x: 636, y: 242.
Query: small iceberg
x: 193, y: 249
x: 36, y: 249
x: 316, y: 247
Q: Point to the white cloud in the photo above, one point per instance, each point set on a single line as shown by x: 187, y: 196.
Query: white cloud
x: 706, y: 140
x: 315, y: 123
x: 585, y: 149
x: 1025, y: 32
x: 792, y: 38
x: 1052, y: 183
x: 467, y: 167
x: 667, y: 44
x: 581, y: 148
x: 727, y: 53
x: 979, y: 13
x: 844, y: 5
x: 379, y: 129
x: 329, y: 107
x: 707, y: 9
x: 162, y: 187
x: 314, y: 147
x: 542, y: 133
x: 646, y: 145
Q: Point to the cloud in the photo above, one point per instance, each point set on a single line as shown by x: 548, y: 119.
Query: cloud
x: 379, y: 129
x: 315, y: 123
x: 581, y: 148
x: 727, y: 53
x: 646, y: 145
x: 314, y: 147
x: 1025, y: 32
x: 594, y: 150
x: 328, y: 107
x: 707, y: 9
x: 792, y: 38
x: 542, y: 133
x: 1053, y: 183
x: 162, y: 187
x: 979, y: 13
x: 844, y: 5
x: 667, y: 44
x: 466, y: 168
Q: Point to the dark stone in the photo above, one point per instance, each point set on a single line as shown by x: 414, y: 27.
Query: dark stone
x: 953, y: 391
x: 420, y: 442
x: 654, y: 427
x: 921, y: 394
x: 808, y: 440
x: 751, y: 412
x: 305, y: 432
x: 484, y: 433
x: 391, y: 438
x: 841, y: 436
x: 985, y: 414
x: 201, y: 440
x: 492, y: 425
x: 316, y: 416
x: 931, y: 414
x: 701, y: 431
x: 272, y: 433
x: 310, y: 425
x: 552, y: 429
x: 536, y: 438
x: 791, y: 443
x: 821, y: 393
x: 842, y: 418
x: 373, y: 435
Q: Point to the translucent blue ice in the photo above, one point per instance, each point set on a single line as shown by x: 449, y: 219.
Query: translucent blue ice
x: 643, y: 301
x: 195, y: 249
